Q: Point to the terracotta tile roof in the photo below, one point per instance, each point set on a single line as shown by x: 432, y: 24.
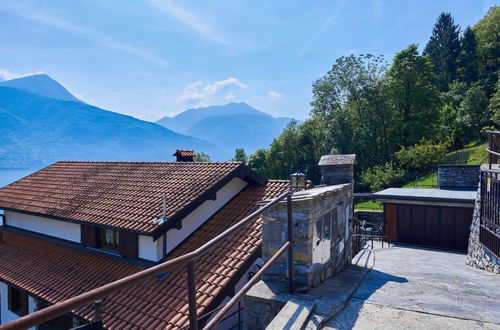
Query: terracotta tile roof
x: 154, y: 303
x: 123, y: 195
x: 184, y: 153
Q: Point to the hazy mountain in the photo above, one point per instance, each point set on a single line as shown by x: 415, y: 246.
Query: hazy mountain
x: 230, y: 126
x: 37, y: 131
x: 41, y: 84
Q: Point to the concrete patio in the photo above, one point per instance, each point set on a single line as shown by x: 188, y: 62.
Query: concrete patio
x: 418, y: 288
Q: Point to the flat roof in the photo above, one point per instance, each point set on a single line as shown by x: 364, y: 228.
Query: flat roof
x: 431, y: 195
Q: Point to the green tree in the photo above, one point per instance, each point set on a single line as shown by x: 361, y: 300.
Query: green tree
x: 487, y: 32
x: 240, y: 156
x: 468, y: 60
x: 201, y: 157
x: 414, y: 97
x: 443, y: 49
x: 350, y: 107
x: 382, y: 176
x: 421, y: 157
x: 258, y: 162
x: 494, y: 106
x: 473, y: 111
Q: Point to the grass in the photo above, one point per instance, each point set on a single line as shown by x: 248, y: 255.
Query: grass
x: 368, y: 205
x: 471, y: 155
x: 426, y: 181
x: 474, y: 155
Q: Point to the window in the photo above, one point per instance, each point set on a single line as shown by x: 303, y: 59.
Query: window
x: 18, y: 302
x: 108, y: 239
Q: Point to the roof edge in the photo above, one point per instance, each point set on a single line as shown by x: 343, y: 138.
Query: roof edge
x: 243, y: 172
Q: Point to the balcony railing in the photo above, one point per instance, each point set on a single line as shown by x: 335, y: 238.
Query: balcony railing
x: 489, y: 232
x: 493, y: 147
x: 187, y: 260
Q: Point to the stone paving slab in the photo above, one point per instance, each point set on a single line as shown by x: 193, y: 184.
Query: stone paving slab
x: 363, y: 315
x: 292, y: 316
x: 432, y: 281
x: 419, y: 288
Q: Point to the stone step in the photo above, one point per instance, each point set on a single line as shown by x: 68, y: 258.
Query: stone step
x: 294, y: 315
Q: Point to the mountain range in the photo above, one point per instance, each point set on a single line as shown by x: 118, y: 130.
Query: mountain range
x: 39, y: 130
x: 230, y: 126
x: 42, y: 122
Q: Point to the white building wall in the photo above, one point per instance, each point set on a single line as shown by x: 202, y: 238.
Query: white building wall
x: 6, y: 315
x: 153, y: 250
x: 55, y: 228
x: 231, y: 321
x: 201, y: 214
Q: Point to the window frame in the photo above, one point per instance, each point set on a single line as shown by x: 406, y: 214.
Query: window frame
x: 17, y: 301
x: 103, y: 239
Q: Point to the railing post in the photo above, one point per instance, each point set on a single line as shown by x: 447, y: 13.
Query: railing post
x: 98, y: 311
x: 290, y: 239
x: 193, y: 317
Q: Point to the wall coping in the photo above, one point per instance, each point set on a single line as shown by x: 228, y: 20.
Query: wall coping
x: 459, y: 165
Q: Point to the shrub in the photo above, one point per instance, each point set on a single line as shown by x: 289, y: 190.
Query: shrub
x: 421, y: 157
x: 382, y: 176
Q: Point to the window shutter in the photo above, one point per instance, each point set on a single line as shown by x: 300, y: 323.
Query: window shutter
x: 24, y: 304
x: 128, y: 245
x: 10, y: 299
x: 89, y: 236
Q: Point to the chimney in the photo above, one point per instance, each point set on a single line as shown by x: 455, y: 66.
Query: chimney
x: 337, y: 169
x: 184, y: 155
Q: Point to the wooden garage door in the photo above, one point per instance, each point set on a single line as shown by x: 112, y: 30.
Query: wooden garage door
x: 435, y: 226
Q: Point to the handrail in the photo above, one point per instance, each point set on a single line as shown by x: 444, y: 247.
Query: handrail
x: 493, y: 148
x: 189, y: 258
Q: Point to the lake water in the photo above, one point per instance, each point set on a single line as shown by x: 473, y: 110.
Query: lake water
x: 9, y: 176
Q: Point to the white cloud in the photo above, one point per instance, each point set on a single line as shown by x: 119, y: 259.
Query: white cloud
x: 197, y: 91
x: 188, y: 18
x: 7, y: 75
x: 102, y: 39
x: 274, y: 95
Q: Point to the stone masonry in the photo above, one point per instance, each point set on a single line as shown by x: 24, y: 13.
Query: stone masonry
x: 322, y: 247
x: 458, y: 176
x: 321, y: 232
x: 336, y: 169
x: 477, y: 255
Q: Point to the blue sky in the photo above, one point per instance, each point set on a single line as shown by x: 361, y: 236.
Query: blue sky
x: 151, y: 58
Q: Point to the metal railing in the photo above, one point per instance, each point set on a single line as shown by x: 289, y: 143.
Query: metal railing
x: 493, y: 147
x: 489, y: 231
x: 188, y: 260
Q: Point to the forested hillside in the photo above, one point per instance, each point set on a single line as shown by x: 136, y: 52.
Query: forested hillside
x: 400, y: 118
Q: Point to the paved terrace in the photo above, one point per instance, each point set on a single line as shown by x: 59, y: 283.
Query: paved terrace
x: 417, y: 288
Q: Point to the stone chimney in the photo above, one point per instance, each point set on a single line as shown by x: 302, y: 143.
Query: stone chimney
x: 184, y: 155
x: 337, y: 169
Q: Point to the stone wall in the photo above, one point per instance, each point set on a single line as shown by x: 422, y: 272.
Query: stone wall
x: 321, y: 231
x: 458, y: 176
x: 477, y: 255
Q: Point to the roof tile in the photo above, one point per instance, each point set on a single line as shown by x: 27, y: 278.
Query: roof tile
x: 153, y: 303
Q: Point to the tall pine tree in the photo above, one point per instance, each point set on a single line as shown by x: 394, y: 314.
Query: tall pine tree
x: 468, y: 61
x: 443, y: 49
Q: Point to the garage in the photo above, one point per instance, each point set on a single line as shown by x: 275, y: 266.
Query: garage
x: 437, y: 218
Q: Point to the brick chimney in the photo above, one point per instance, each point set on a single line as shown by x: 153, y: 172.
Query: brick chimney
x: 337, y: 169
x: 184, y: 155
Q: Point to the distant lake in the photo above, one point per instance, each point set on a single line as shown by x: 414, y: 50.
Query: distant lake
x: 10, y: 175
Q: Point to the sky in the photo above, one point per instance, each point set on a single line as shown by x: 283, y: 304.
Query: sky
x: 155, y: 58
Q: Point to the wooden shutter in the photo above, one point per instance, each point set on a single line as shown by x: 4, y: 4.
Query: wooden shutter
x: 128, y: 245
x: 89, y: 236
x: 24, y: 304
x: 11, y: 298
